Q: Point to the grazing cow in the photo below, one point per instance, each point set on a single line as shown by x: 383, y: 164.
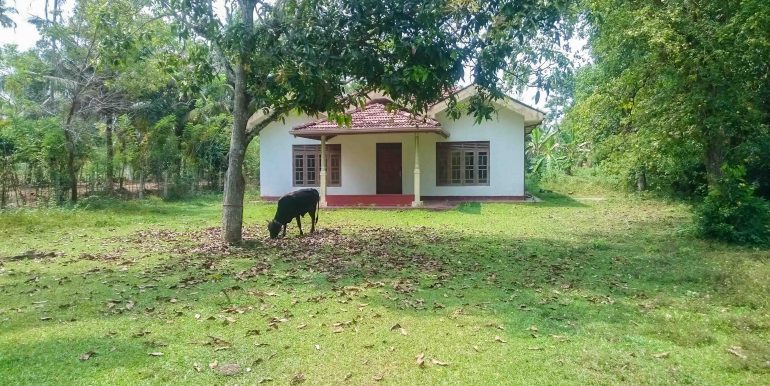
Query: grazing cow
x: 295, y: 205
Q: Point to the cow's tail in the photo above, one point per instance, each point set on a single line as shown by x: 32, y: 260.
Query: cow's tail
x: 317, y: 210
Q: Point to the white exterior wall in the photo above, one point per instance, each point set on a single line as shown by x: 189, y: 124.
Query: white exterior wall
x: 505, y: 135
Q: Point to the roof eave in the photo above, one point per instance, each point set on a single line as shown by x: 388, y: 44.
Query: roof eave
x: 508, y: 102
x: 316, y: 134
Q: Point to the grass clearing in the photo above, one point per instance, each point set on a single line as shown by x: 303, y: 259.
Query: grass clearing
x: 566, y: 291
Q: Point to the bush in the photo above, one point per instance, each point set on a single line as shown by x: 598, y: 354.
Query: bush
x: 734, y: 213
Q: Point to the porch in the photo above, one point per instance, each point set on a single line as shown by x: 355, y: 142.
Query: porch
x: 404, y: 201
x: 385, y: 149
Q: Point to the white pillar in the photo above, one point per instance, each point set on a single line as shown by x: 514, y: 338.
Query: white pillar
x: 417, y: 201
x: 323, y: 171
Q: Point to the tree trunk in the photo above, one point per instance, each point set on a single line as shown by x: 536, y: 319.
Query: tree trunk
x: 715, y: 158
x: 232, y: 216
x: 234, y: 189
x: 141, y: 182
x: 641, y: 180
x: 3, y: 189
x: 17, y: 188
x: 110, y: 178
x: 122, y: 174
x: 69, y: 145
x: 165, y: 184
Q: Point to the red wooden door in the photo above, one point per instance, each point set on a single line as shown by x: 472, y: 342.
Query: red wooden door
x: 388, y: 168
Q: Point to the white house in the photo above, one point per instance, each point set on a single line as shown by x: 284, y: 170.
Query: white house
x: 395, y: 159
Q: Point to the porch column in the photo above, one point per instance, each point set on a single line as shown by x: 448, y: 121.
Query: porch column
x: 417, y: 201
x: 323, y: 171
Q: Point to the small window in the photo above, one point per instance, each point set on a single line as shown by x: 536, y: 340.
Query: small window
x: 462, y: 163
x: 307, y: 165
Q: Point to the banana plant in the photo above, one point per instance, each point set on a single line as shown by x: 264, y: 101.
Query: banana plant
x: 543, y: 149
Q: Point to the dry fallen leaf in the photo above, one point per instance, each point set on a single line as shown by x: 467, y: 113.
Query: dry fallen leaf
x: 499, y: 339
x: 438, y: 362
x: 560, y: 338
x: 155, y: 354
x: 197, y: 367
x: 87, y: 355
x: 348, y: 376
x: 661, y: 355
x: 338, y: 329
x: 297, y: 379
x: 229, y: 369
x: 378, y: 377
x: 420, y: 359
x: 737, y: 351
x: 399, y: 328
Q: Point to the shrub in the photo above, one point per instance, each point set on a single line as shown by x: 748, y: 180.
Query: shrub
x: 733, y: 212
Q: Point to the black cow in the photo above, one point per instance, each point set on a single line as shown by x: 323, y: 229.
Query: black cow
x: 295, y: 205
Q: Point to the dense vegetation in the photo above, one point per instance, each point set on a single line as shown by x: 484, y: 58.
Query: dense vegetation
x: 124, y: 96
x: 103, y: 104
x: 676, y: 101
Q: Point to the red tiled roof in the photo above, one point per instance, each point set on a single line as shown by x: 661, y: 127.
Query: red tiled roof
x: 374, y: 116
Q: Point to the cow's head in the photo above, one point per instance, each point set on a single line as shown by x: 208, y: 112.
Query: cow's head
x: 274, y: 227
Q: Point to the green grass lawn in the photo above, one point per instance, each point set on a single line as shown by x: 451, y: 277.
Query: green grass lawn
x: 581, y: 289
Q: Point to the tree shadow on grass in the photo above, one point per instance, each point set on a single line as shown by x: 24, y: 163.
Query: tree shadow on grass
x: 469, y: 207
x: 557, y: 200
x: 559, y: 286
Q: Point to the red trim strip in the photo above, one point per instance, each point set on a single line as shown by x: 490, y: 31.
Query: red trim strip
x: 370, y: 200
x: 401, y: 199
x: 475, y: 198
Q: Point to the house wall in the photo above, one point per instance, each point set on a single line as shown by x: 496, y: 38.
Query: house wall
x: 505, y: 134
x: 275, y: 163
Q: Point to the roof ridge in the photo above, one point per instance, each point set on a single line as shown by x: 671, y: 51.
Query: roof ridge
x: 375, y: 114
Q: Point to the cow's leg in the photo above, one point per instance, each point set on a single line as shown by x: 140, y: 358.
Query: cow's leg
x: 313, y: 220
x: 284, y: 231
x: 299, y: 224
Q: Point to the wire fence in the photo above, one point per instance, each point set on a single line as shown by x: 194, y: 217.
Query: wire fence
x: 19, y: 188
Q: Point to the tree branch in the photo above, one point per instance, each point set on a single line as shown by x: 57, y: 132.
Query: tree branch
x: 272, y: 116
x: 200, y: 30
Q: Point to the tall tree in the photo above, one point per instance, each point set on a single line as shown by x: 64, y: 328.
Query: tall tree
x: 5, y: 20
x: 675, y: 86
x: 95, y: 56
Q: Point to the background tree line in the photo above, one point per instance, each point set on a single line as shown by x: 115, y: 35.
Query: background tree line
x: 158, y: 93
x: 107, y: 103
x: 676, y: 101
